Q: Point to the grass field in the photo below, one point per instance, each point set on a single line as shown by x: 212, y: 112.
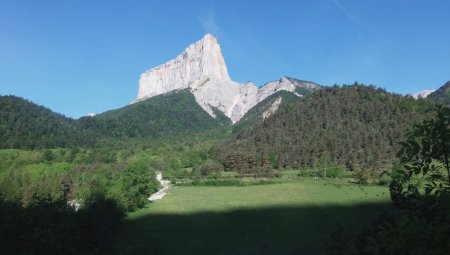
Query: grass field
x: 286, y: 218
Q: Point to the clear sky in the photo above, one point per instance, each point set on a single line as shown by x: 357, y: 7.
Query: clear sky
x: 79, y: 56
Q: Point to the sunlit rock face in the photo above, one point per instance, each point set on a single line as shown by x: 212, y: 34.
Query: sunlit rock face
x: 422, y: 94
x: 199, y: 62
x: 273, y: 108
x: 201, y: 69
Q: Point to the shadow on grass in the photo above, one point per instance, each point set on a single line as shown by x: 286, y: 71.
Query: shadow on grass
x: 283, y: 230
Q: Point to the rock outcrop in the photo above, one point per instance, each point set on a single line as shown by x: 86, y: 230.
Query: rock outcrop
x: 273, y: 108
x: 422, y: 94
x: 201, y: 68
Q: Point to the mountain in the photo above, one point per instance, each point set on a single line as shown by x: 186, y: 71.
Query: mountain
x: 264, y: 110
x: 422, y: 94
x: 357, y: 127
x: 441, y: 95
x: 168, y: 115
x: 24, y: 124
x: 201, y: 69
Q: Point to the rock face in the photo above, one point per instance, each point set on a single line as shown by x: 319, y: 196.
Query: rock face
x: 273, y: 108
x: 90, y: 114
x: 198, y: 63
x: 422, y: 94
x: 201, y: 68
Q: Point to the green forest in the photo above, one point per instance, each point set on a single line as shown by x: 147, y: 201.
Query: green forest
x: 356, y: 127
x: 442, y: 95
x: 60, y: 175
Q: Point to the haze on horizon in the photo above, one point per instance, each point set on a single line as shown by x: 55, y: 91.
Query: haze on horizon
x: 78, y: 57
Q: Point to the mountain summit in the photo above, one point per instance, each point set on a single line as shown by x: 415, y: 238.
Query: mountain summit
x: 201, y: 60
x: 201, y: 69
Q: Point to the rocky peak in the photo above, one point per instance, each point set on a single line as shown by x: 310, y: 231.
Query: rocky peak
x: 201, y: 68
x: 198, y: 62
x: 422, y: 94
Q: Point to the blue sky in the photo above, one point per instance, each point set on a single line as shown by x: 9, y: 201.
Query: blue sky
x: 81, y: 56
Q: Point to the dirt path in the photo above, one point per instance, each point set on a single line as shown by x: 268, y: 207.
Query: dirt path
x: 162, y: 192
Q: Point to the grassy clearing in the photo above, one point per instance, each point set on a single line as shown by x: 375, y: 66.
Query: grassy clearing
x: 280, y: 218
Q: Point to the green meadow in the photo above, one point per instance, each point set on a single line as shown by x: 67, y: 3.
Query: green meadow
x: 284, y: 218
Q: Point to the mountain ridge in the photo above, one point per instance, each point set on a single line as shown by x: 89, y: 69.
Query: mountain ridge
x: 201, y: 68
x: 441, y: 95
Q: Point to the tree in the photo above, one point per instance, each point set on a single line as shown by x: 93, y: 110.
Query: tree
x: 425, y: 156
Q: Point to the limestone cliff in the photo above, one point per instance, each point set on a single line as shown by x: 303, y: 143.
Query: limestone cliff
x: 201, y: 68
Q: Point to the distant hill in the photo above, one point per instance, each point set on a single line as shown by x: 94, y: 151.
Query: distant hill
x: 353, y: 126
x: 441, y: 95
x: 24, y: 124
x: 174, y: 113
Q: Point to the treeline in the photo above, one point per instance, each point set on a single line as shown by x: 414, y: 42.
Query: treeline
x: 126, y: 175
x: 26, y: 125
x: 357, y: 127
x: 176, y: 113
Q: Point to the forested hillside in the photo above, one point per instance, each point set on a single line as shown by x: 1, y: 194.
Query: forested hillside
x: 441, y: 95
x: 175, y: 113
x: 357, y: 127
x: 26, y: 125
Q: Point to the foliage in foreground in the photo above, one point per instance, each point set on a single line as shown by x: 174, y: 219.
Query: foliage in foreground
x: 421, y: 192
x: 441, y: 95
x: 54, y: 227
x: 103, y: 180
x: 38, y: 200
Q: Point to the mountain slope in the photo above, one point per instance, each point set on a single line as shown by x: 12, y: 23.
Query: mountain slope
x: 24, y: 124
x: 276, y: 94
x: 258, y: 113
x: 441, y: 95
x: 353, y: 126
x: 170, y: 114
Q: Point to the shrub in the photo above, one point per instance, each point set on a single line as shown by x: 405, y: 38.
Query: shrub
x: 210, y: 168
x: 384, y: 178
x: 362, y: 176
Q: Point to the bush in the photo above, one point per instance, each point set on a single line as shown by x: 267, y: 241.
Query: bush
x: 384, y: 178
x: 47, y: 156
x: 210, y: 168
x: 54, y: 227
x: 407, y: 232
x: 138, y: 182
x: 420, y: 189
x: 362, y: 176
x: 332, y: 171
